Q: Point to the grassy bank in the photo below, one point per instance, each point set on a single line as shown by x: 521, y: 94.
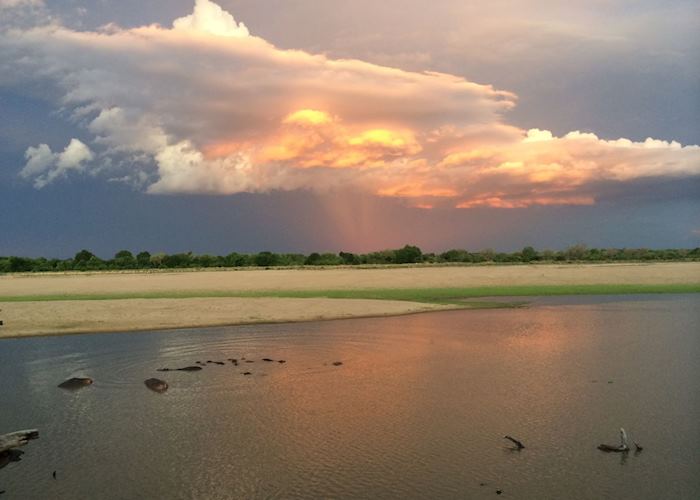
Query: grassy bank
x: 427, y: 295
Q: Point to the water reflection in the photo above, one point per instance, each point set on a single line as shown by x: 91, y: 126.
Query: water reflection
x: 417, y: 409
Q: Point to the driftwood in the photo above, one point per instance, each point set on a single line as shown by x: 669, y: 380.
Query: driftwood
x: 621, y: 448
x: 17, y: 439
x: 519, y: 445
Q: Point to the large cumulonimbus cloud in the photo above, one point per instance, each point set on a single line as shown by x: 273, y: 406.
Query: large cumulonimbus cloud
x: 206, y: 107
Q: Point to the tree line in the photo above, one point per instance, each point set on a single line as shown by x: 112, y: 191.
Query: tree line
x: 85, y: 260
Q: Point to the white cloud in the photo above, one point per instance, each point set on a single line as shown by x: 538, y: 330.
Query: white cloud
x: 45, y: 166
x: 208, y: 17
x: 11, y: 4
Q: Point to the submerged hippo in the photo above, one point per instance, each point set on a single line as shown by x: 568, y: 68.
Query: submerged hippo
x: 75, y: 383
x: 156, y: 385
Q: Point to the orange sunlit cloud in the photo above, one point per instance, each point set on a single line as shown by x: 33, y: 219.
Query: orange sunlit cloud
x: 207, y: 107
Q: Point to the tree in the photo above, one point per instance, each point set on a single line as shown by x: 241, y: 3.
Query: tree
x: 124, y: 259
x: 349, y: 259
x: 143, y: 260
x: 313, y: 259
x: 178, y: 260
x: 528, y: 254
x: 237, y: 260
x: 576, y: 252
x: 157, y: 259
x: 265, y: 259
x: 83, y: 256
x: 409, y: 255
x: 20, y: 264
x: 456, y: 255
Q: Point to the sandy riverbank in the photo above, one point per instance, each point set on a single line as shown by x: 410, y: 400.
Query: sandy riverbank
x: 71, y: 316
x: 349, y: 278
x: 23, y: 319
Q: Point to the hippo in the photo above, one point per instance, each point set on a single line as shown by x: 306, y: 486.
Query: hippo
x: 268, y: 360
x: 156, y: 385
x: 337, y: 363
x: 75, y: 383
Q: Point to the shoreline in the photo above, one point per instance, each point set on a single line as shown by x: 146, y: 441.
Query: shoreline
x: 48, y: 319
x: 107, y: 302
x: 237, y: 323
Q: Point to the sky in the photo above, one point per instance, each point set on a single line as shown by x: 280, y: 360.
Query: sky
x: 299, y: 125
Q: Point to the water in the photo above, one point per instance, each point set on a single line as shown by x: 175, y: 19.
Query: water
x: 417, y: 410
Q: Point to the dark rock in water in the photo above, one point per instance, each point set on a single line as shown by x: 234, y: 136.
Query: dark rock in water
x: 499, y: 492
x: 268, y: 359
x: 156, y: 385
x: 249, y: 361
x: 75, y: 383
x: 163, y: 370
x: 247, y: 373
x: 282, y: 361
x: 8, y: 456
x: 337, y: 363
x: 54, y: 474
x: 233, y: 360
x: 219, y: 363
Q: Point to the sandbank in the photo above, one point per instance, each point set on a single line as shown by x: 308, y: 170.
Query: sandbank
x: 42, y: 304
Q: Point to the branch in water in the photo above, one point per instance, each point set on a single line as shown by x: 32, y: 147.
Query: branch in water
x: 517, y: 443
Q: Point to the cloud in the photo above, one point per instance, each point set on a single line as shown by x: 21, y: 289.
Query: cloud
x: 45, y: 166
x: 208, y: 17
x: 209, y: 107
x: 11, y: 4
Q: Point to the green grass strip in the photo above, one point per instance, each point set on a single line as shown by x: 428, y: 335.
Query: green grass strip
x: 429, y: 295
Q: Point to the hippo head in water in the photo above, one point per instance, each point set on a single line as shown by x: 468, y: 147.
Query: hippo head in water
x: 75, y: 383
x: 156, y: 385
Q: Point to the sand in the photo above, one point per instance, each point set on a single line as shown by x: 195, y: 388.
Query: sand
x: 59, y: 317
x: 24, y: 319
x: 350, y: 278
